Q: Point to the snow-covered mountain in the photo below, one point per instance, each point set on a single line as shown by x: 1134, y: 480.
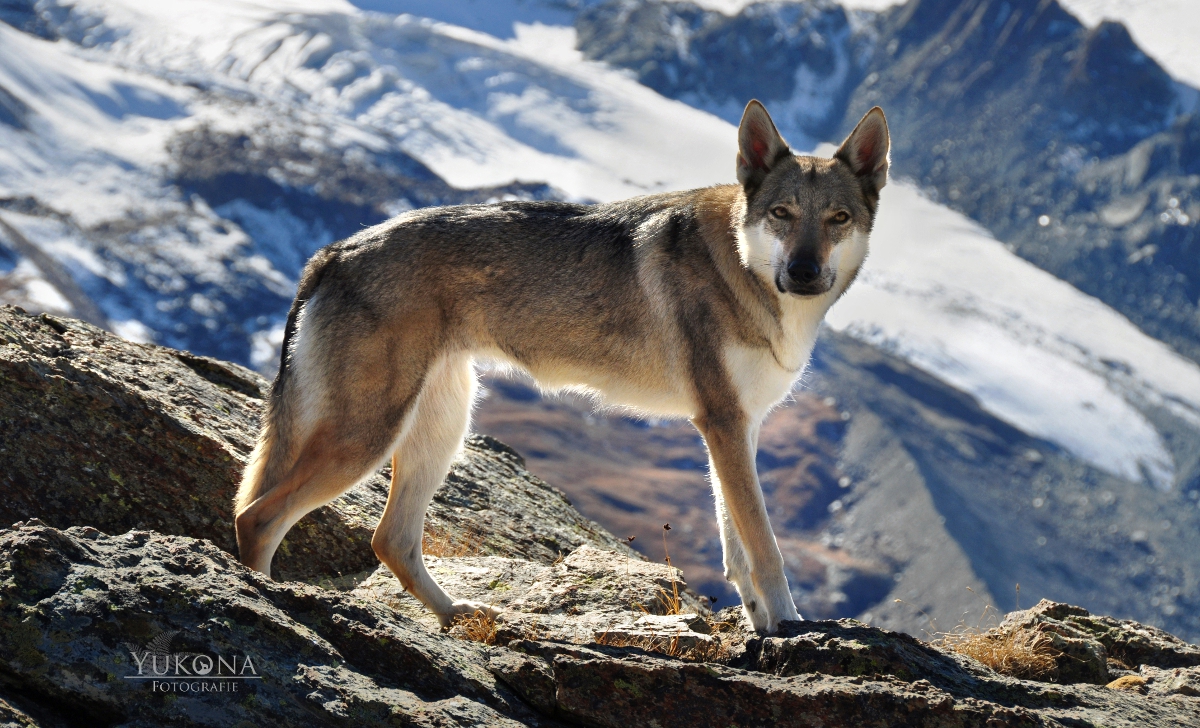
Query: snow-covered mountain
x: 171, y: 154
x: 943, y: 294
x: 177, y: 162
x: 1068, y: 142
x: 1165, y: 29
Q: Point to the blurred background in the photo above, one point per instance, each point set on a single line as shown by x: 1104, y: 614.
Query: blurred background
x: 1010, y: 395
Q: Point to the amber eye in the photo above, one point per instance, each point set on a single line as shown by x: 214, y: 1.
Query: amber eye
x: 780, y: 212
x: 841, y: 217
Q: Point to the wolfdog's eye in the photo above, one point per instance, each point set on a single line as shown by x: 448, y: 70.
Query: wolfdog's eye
x: 841, y: 217
x: 780, y: 212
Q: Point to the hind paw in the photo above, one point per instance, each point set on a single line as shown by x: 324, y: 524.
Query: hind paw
x: 467, y: 608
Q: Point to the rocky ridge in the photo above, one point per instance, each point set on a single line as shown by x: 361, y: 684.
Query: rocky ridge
x: 103, y: 625
x: 81, y: 612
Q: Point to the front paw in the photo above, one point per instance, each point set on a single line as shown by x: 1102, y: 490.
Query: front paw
x: 765, y: 617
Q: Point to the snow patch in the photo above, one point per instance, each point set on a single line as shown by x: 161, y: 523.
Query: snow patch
x: 265, y: 347
x: 939, y: 291
x: 134, y: 330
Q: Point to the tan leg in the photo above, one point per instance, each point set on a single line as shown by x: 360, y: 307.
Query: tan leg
x: 346, y: 414
x: 419, y: 466
x: 752, y: 559
x: 329, y: 465
x: 734, y: 560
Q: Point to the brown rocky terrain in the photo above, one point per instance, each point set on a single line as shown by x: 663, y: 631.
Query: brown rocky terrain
x: 121, y: 604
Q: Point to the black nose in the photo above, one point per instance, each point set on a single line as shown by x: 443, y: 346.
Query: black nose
x: 804, y: 271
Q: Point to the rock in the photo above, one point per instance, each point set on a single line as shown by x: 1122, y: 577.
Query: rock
x: 589, y: 593
x: 591, y: 633
x: 846, y: 647
x: 1177, y: 681
x: 533, y: 678
x: 504, y: 510
x: 1087, y: 642
x: 574, y: 647
x: 80, y: 618
x: 13, y: 717
x: 606, y: 686
x: 1159, y: 681
x: 81, y: 612
x: 103, y: 432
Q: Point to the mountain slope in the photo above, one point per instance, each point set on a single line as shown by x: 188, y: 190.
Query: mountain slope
x: 1067, y: 143
x: 185, y: 202
x: 801, y: 59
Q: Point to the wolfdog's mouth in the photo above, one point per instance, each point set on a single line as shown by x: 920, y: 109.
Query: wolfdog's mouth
x: 779, y: 282
x: 803, y: 290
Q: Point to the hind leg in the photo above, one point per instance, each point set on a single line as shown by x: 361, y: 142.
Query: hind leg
x: 419, y: 466
x: 328, y: 466
x: 344, y: 416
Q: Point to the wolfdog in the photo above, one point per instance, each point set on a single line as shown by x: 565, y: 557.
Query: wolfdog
x: 702, y: 304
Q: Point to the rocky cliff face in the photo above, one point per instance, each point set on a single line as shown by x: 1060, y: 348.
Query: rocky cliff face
x: 1068, y: 143
x: 801, y: 59
x: 121, y: 604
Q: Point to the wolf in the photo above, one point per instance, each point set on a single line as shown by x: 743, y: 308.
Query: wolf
x: 702, y: 304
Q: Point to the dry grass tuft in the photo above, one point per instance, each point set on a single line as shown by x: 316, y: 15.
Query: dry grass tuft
x: 437, y: 541
x: 1022, y: 653
x: 667, y: 603
x: 477, y: 627
x: 1132, y: 683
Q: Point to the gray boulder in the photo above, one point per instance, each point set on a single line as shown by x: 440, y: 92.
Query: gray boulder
x: 119, y: 630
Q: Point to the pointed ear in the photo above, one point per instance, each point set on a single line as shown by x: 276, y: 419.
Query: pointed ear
x: 759, y: 145
x: 866, y: 149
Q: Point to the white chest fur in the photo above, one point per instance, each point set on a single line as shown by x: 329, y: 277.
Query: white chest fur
x: 762, y: 376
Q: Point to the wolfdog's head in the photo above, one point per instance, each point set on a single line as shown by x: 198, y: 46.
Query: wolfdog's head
x: 807, y: 218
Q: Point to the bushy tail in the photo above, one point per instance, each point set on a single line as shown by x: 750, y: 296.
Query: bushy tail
x: 253, y: 480
x: 265, y: 467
